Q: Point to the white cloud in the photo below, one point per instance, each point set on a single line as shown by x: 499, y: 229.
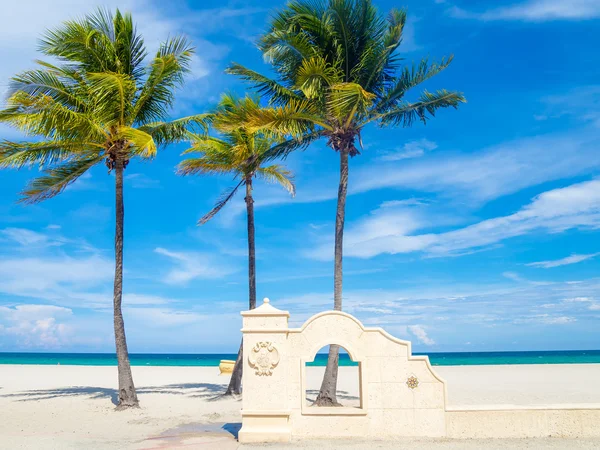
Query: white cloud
x: 33, y: 276
x: 487, y: 173
x: 163, y: 317
x: 589, y: 302
x: 443, y: 304
x: 412, y: 149
x: 513, y: 276
x: 419, y: 332
x: 25, y: 237
x: 51, y: 275
x: 393, y: 230
x: 190, y: 266
x: 581, y: 103
x: 141, y: 181
x: 536, y: 11
x: 546, y: 319
x: 41, y: 326
x: 386, y: 229
x: 573, y: 259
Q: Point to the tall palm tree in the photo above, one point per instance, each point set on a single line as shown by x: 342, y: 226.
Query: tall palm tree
x: 337, y: 71
x: 100, y: 104
x: 244, y: 155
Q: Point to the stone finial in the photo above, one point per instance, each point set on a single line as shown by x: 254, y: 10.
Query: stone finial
x: 266, y: 309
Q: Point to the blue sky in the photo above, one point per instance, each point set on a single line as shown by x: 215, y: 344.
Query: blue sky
x: 477, y: 232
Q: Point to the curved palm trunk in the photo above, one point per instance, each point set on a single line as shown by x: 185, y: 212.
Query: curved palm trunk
x: 127, y: 395
x: 235, y: 384
x: 327, y: 394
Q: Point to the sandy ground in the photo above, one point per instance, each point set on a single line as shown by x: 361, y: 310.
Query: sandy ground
x: 70, y: 407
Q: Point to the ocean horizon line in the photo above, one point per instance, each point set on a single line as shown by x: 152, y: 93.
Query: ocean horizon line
x: 213, y: 359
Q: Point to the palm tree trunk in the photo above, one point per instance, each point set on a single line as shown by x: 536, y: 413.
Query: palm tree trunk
x: 327, y: 395
x: 251, y: 250
x: 127, y: 395
x: 235, y: 384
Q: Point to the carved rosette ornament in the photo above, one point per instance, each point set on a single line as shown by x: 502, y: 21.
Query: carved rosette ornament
x: 412, y: 382
x: 264, y: 357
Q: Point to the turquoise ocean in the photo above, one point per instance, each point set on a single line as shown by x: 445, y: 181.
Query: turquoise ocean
x: 212, y: 360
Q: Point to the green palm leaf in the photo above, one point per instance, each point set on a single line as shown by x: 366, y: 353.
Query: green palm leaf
x: 56, y: 179
x: 276, y: 173
x: 238, y: 150
x: 425, y: 108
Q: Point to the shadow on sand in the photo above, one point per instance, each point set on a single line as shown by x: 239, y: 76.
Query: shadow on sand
x: 207, y: 391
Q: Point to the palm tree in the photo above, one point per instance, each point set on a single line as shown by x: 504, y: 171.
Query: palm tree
x: 244, y: 155
x: 99, y: 104
x: 338, y: 70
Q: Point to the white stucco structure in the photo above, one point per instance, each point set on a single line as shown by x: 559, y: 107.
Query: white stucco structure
x: 401, y: 395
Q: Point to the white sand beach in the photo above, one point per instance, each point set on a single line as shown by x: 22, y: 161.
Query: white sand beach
x: 69, y: 407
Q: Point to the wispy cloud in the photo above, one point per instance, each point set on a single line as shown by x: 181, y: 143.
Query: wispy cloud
x: 164, y: 317
x: 573, y: 259
x: 590, y: 302
x: 545, y: 319
x: 394, y: 230
x: 419, y: 332
x: 581, y: 104
x: 50, y: 277
x: 190, y: 266
x: 412, y: 149
x: 488, y: 173
x: 141, y: 181
x: 535, y: 11
x: 25, y: 237
x: 411, y: 312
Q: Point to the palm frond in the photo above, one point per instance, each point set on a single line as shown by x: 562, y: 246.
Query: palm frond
x: 56, y: 179
x: 113, y: 95
x: 223, y: 200
x: 203, y: 143
x: 409, y: 78
x: 20, y: 154
x: 295, y: 119
x: 140, y: 143
x: 48, y: 83
x: 407, y: 113
x: 283, y: 149
x: 177, y: 130
x: 166, y: 74
x: 216, y: 157
x: 347, y: 100
x: 277, y: 173
x: 99, y: 42
x: 43, y: 116
x: 264, y: 85
x: 315, y: 75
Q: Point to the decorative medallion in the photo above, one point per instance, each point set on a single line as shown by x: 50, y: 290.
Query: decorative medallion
x: 412, y: 382
x: 264, y: 357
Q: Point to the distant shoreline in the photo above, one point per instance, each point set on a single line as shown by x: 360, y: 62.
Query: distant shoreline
x: 213, y: 359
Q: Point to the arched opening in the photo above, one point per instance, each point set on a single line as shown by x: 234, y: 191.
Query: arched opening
x: 349, y: 392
